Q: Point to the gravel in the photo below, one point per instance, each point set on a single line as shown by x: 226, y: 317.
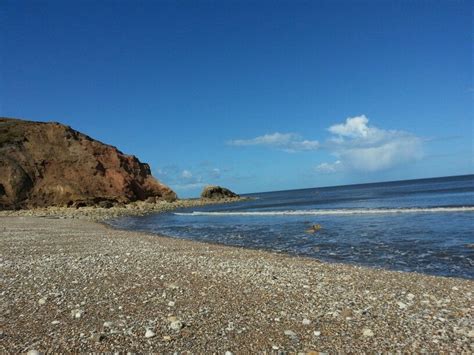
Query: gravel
x: 107, y: 290
x: 97, y: 213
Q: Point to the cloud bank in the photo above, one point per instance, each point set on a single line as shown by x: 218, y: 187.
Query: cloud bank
x: 289, y: 142
x: 355, y: 144
x: 360, y: 146
x: 194, y: 177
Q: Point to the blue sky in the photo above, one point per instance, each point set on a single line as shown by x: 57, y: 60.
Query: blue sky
x: 251, y: 95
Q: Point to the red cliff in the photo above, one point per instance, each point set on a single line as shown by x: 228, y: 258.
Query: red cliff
x: 43, y: 164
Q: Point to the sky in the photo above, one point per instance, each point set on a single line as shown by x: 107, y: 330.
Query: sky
x: 251, y: 95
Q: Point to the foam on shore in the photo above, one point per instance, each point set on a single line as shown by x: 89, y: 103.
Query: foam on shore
x: 332, y: 212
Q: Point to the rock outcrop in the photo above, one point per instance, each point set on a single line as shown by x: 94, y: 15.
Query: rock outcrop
x: 217, y: 193
x: 46, y: 164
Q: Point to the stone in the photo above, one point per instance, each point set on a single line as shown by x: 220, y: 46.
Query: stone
x: 171, y: 304
x: 176, y: 325
x: 97, y: 337
x: 401, y: 305
x: 367, y: 332
x: 77, y: 313
x: 105, y: 204
x: 42, y: 301
x: 306, y: 321
x: 290, y: 333
x: 33, y: 352
x: 217, y: 193
x: 410, y: 296
x: 149, y: 333
x: 55, y: 322
x: 108, y: 324
x: 317, y: 333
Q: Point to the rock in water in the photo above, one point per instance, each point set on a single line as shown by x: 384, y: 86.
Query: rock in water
x: 45, y: 164
x: 217, y: 193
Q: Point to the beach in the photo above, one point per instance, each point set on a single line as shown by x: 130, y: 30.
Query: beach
x: 73, y: 284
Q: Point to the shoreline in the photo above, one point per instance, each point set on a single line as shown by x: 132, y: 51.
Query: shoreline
x: 96, y: 213
x: 273, y: 251
x: 203, y: 297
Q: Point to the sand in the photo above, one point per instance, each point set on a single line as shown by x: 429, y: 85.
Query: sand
x: 78, y: 285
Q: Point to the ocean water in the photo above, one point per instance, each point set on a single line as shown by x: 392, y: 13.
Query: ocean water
x: 423, y: 225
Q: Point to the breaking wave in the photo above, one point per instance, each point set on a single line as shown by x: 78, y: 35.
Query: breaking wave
x: 334, y: 211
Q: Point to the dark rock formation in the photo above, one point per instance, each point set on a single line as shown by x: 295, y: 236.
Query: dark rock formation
x: 43, y: 164
x: 217, y: 193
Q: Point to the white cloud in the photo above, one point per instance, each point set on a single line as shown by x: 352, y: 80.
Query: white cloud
x: 327, y: 168
x: 289, y: 142
x: 185, y: 180
x: 359, y: 146
x: 395, y: 151
x: 186, y: 174
x: 354, y: 127
x: 215, y: 173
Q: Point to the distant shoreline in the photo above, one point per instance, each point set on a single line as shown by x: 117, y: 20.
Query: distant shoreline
x: 96, y: 213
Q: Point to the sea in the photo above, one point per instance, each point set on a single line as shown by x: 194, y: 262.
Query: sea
x: 424, y: 225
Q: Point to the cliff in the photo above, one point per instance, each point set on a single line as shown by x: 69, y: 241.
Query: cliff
x: 43, y: 164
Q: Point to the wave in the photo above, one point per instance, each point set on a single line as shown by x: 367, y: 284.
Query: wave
x: 333, y: 212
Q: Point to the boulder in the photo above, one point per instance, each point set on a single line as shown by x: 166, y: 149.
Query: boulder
x: 46, y: 164
x: 217, y: 193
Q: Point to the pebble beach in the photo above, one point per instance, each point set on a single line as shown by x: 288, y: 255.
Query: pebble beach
x: 77, y: 285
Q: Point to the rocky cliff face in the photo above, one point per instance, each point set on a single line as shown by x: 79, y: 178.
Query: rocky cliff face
x: 43, y: 164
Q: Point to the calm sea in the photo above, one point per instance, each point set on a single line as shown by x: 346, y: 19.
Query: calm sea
x: 422, y: 225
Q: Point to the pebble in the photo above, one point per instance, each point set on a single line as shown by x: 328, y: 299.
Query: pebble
x: 401, y: 305
x: 228, y: 353
x: 42, y: 301
x: 171, y: 303
x: 97, y: 337
x: 176, y: 325
x: 33, y: 352
x: 395, y: 328
x: 149, y: 333
x: 77, y: 313
x: 108, y: 324
x: 367, y: 332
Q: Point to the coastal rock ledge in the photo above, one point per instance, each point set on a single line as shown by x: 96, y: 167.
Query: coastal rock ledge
x: 217, y: 193
x: 50, y: 164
